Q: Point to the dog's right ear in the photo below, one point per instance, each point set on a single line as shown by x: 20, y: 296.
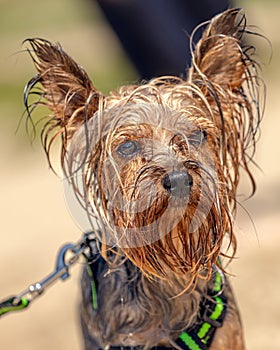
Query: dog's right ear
x: 67, y: 90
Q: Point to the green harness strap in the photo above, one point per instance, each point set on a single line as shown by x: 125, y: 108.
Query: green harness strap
x: 93, y: 288
x: 203, y: 332
x: 213, y: 310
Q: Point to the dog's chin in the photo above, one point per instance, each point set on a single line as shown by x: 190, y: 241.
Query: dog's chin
x: 138, y: 227
x: 163, y: 243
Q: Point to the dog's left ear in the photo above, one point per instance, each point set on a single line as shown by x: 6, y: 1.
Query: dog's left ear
x: 218, y: 56
x: 67, y: 89
x: 227, y: 76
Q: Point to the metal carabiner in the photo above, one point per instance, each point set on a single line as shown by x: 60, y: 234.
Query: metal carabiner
x: 24, y: 299
x: 61, y: 271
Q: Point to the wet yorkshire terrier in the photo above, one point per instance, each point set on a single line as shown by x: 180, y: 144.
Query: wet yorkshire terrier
x: 156, y: 168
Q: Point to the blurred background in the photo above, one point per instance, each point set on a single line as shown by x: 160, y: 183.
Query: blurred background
x: 34, y: 221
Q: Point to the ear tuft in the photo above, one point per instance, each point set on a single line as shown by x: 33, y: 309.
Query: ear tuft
x: 66, y: 85
x: 218, y: 55
x: 225, y: 73
x: 66, y: 90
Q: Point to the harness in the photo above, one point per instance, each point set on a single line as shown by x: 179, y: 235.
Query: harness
x: 198, y: 337
x: 212, y: 312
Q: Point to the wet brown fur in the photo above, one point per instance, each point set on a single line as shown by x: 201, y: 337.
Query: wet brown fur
x: 206, y: 125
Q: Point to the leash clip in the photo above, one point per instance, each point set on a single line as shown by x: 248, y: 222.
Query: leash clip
x: 61, y: 271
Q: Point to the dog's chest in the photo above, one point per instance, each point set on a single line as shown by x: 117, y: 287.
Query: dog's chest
x: 130, y: 310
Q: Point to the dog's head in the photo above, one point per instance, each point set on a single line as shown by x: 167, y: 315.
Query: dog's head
x: 156, y: 166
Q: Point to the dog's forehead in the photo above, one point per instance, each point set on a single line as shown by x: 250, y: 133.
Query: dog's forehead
x: 141, y: 112
x: 155, y: 116
x: 146, y: 113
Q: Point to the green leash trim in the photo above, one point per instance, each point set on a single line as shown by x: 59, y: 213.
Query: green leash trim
x: 9, y: 305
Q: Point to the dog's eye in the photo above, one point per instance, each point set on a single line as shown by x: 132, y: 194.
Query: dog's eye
x: 197, y: 137
x: 129, y: 148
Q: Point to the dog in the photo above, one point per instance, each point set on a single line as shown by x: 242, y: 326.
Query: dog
x: 156, y: 167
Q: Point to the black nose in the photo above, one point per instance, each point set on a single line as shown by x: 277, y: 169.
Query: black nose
x: 178, y: 183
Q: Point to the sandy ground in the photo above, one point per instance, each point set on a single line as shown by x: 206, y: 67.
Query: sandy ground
x: 35, y: 222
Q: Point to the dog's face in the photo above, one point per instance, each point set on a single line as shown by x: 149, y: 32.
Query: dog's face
x: 156, y: 166
x: 151, y: 171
